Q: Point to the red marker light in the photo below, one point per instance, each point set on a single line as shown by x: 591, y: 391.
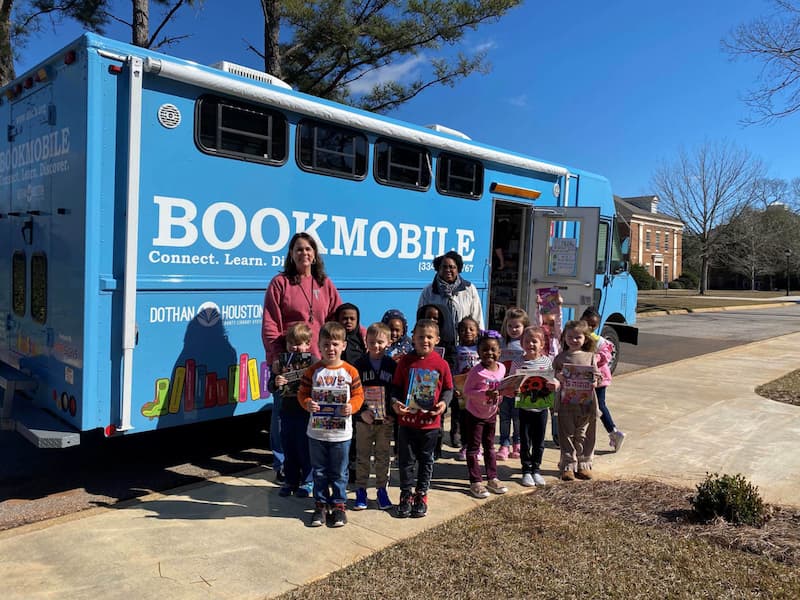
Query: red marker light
x: 70, y: 57
x: 110, y: 430
x: 114, y: 69
x: 28, y: 83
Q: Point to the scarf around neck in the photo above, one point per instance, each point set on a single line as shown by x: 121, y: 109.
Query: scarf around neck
x: 448, y: 290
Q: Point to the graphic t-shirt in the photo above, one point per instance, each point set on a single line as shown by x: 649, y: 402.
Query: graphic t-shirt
x: 331, y: 388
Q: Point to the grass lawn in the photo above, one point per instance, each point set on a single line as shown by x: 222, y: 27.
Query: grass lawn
x: 659, y: 300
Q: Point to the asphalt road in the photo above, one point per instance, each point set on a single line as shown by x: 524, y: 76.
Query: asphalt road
x: 40, y: 484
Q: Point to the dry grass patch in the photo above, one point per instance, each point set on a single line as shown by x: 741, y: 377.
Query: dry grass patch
x: 784, y: 389
x: 606, y: 539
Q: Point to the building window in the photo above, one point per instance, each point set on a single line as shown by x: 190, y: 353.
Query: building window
x: 658, y: 240
x: 647, y: 240
x: 666, y: 241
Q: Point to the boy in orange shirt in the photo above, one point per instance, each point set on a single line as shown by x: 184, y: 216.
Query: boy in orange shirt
x: 331, y: 391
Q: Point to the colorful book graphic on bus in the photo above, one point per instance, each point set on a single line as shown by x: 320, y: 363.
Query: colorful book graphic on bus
x: 422, y: 384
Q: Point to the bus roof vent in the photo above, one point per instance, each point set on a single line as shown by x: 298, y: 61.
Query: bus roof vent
x: 448, y: 130
x: 241, y: 71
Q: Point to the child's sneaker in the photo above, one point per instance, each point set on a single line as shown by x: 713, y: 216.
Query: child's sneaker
x: 462, y: 455
x: 304, y: 491
x: 404, y: 506
x: 502, y: 454
x: 538, y: 479
x: 515, y: 452
x: 527, y: 480
x: 496, y: 486
x: 286, y: 491
x: 420, y: 507
x: 319, y: 515
x: 478, y: 490
x: 383, y: 499
x: 617, y: 439
x: 361, y: 499
x: 339, y: 515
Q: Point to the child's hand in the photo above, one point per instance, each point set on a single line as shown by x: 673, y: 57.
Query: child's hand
x: 312, y: 406
x: 280, y: 380
x: 438, y: 409
x: 553, y: 385
x: 347, y: 410
x: 367, y: 417
x: 400, y: 408
x: 491, y: 396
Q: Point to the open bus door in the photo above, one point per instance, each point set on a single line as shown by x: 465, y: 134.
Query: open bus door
x: 563, y: 255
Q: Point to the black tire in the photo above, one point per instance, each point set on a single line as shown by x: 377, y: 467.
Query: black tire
x: 611, y: 335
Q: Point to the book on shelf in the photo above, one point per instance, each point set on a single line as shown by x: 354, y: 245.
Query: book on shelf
x: 292, y: 366
x: 375, y: 401
x: 577, y: 384
x: 421, y: 393
x: 331, y: 413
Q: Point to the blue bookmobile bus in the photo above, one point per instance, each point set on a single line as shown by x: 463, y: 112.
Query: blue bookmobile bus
x: 146, y: 202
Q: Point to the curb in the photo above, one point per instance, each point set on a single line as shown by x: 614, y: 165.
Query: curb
x: 685, y: 311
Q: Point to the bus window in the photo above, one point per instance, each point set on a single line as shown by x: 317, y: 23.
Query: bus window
x: 331, y: 150
x: 39, y: 288
x: 602, y: 247
x: 456, y: 176
x: 18, y: 282
x: 402, y: 165
x: 618, y: 264
x: 241, y: 130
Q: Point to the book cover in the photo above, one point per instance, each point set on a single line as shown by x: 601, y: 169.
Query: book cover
x: 548, y: 300
x: 331, y: 400
x: 533, y: 392
x: 422, y: 384
x: 375, y: 401
x: 577, y: 385
x: 293, y: 365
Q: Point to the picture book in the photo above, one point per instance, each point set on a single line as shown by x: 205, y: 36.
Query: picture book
x: 512, y: 384
x: 533, y: 392
x: 548, y: 300
x: 331, y: 413
x: 293, y: 364
x: 577, y: 386
x: 375, y: 401
x: 422, y: 384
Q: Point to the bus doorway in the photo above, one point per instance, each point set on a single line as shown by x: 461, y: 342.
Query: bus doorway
x: 510, y: 249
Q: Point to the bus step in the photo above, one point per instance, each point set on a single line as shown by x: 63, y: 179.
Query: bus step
x: 42, y: 429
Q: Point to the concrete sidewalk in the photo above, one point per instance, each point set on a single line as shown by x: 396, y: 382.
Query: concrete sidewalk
x: 234, y: 537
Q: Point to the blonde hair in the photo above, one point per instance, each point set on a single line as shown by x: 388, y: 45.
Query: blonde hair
x: 580, y: 326
x: 378, y: 328
x: 515, y: 312
x: 299, y: 333
x: 534, y: 330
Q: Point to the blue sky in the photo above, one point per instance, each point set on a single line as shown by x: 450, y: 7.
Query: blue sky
x: 612, y: 87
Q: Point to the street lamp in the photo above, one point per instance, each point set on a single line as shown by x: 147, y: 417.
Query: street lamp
x: 787, y: 253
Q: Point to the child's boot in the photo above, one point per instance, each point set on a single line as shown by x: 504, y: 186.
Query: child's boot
x: 515, y: 451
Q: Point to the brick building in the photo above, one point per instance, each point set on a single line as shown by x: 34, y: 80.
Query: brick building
x: 656, y: 240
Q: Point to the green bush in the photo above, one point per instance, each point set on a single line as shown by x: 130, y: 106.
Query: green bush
x: 643, y: 279
x: 689, y: 280
x: 676, y: 284
x: 731, y: 497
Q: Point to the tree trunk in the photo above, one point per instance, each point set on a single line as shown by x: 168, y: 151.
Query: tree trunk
x: 7, y: 72
x: 141, y: 23
x: 272, y: 29
x: 703, y: 275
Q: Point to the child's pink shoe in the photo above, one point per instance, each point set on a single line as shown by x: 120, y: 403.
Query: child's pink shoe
x: 515, y: 451
x: 502, y: 454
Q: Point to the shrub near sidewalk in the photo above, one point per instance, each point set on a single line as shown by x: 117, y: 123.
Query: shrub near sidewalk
x: 730, y: 497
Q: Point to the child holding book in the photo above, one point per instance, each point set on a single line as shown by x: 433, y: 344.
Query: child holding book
x: 374, y: 423
x: 293, y: 420
x: 604, y: 353
x: 549, y: 317
x: 480, y: 415
x: 534, y: 400
x: 576, y: 404
x: 466, y: 358
x: 514, y: 323
x: 400, y: 344
x: 331, y: 391
x: 421, y: 390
